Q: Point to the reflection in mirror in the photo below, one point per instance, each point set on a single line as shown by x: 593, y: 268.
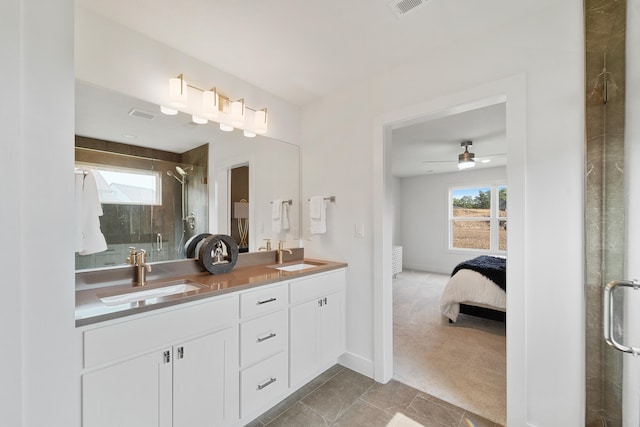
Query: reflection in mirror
x: 121, y: 135
x: 153, y: 203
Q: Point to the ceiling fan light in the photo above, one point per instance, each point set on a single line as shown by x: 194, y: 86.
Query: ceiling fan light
x: 466, y: 164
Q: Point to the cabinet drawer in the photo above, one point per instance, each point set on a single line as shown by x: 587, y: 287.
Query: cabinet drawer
x: 302, y: 290
x: 263, y: 300
x: 262, y: 384
x: 131, y: 337
x: 262, y: 337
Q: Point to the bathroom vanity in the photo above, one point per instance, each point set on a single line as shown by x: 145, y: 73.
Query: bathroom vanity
x: 220, y: 353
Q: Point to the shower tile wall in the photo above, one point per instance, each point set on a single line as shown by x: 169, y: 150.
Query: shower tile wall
x: 604, y: 198
x: 142, y: 226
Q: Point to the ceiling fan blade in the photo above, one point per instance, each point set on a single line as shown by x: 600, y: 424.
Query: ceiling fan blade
x: 491, y: 155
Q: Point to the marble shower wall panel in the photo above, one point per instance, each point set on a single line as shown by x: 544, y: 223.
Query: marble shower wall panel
x: 604, y: 198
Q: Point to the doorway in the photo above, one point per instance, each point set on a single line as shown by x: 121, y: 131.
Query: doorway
x: 438, y: 223
x: 512, y: 91
x: 239, y: 203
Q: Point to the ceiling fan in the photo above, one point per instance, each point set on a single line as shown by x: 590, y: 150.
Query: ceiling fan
x: 466, y: 159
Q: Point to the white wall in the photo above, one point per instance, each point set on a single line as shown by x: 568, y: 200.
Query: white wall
x: 397, y: 211
x: 547, y: 47
x: 425, y: 212
x: 37, y: 325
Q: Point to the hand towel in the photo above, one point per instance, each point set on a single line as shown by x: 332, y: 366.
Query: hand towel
x: 315, y: 206
x: 318, y: 215
x: 285, y: 215
x: 276, y: 216
x: 93, y: 240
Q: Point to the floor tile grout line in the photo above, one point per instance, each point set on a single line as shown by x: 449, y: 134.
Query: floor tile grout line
x: 342, y: 368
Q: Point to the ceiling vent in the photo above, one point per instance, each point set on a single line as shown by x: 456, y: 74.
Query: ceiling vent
x: 402, y: 7
x: 142, y: 114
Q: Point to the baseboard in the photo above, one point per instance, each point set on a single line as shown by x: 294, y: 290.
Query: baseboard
x: 424, y: 267
x: 357, y: 363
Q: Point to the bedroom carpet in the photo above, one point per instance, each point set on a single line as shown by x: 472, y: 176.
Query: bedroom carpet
x: 462, y: 363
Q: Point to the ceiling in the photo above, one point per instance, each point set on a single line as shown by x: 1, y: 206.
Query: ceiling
x: 433, y: 146
x: 304, y: 50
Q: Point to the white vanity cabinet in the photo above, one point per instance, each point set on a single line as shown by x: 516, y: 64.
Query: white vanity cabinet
x: 263, y: 348
x: 316, y: 324
x: 168, y: 368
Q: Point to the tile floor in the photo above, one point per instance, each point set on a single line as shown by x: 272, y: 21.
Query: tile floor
x: 342, y: 397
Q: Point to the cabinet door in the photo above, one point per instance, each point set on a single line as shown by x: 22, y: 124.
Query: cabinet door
x: 330, y: 328
x: 134, y: 393
x: 302, y: 341
x: 205, y: 387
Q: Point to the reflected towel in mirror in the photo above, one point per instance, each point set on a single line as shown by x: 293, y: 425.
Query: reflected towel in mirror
x: 89, y: 237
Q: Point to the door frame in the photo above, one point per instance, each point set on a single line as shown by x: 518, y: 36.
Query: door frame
x: 631, y: 366
x: 511, y: 90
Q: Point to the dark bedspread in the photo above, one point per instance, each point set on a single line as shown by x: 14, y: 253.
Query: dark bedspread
x: 492, y: 268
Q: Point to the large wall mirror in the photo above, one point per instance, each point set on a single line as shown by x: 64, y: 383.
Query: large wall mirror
x: 163, y: 180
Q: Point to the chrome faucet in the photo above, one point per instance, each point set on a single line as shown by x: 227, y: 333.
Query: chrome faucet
x: 138, y: 259
x: 282, y: 249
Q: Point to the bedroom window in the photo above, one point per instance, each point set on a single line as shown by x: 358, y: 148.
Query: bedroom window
x: 478, y: 218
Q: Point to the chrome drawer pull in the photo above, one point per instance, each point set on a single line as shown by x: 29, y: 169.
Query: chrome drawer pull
x: 265, y: 301
x: 271, y: 335
x: 271, y: 381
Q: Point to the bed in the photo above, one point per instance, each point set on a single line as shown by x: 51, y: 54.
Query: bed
x: 476, y: 287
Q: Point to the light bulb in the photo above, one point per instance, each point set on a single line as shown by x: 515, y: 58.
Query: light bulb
x: 237, y: 113
x: 168, y: 111
x: 199, y: 120
x: 260, y: 121
x: 178, y: 92
x: 210, y: 104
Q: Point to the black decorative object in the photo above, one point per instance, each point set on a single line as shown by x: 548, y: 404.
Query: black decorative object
x: 193, y: 244
x: 218, y: 253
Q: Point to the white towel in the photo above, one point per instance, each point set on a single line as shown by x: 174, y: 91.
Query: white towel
x: 318, y: 215
x: 285, y: 215
x: 89, y: 237
x: 276, y: 216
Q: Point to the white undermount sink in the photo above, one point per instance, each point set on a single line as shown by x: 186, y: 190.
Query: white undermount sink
x: 149, y: 294
x: 294, y: 267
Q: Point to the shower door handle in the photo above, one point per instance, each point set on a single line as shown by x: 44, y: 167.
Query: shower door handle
x: 609, y: 312
x: 159, y: 242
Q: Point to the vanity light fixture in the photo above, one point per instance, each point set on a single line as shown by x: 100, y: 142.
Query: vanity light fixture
x: 237, y: 113
x: 199, y: 120
x: 216, y: 107
x: 249, y: 124
x: 260, y: 121
x: 168, y: 111
x: 466, y: 159
x: 226, y: 127
x: 178, y: 92
x: 210, y: 103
